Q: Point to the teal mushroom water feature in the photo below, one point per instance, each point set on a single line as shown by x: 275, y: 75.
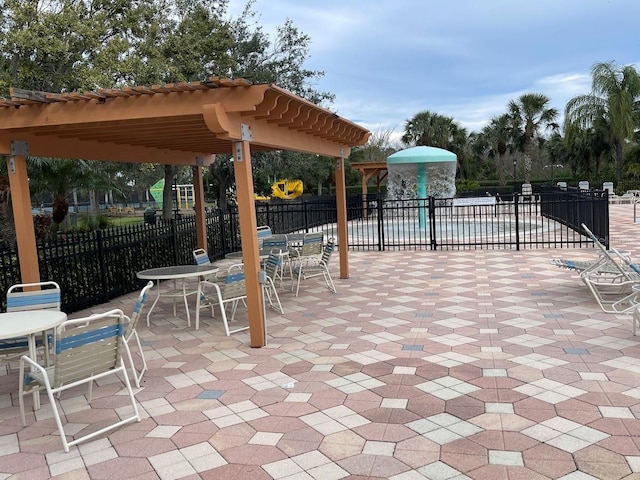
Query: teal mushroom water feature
x: 420, y: 172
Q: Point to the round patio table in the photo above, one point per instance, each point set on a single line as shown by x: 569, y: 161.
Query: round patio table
x: 29, y: 323
x: 176, y: 272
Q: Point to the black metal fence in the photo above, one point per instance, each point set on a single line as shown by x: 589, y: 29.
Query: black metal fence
x: 95, y: 267
x: 541, y: 220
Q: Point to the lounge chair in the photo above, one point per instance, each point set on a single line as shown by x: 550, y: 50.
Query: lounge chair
x: 612, y: 283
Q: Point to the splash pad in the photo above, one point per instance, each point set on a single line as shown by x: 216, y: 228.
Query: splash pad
x: 420, y: 172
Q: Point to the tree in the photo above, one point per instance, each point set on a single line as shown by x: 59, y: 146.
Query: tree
x: 529, y: 115
x: 70, y: 44
x: 499, y: 138
x: 378, y: 147
x: 614, y: 97
x: 58, y: 177
x: 434, y: 130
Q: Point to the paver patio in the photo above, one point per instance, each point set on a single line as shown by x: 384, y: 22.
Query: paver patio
x: 489, y: 364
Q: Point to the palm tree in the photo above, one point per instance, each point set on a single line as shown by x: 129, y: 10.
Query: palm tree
x: 498, y: 134
x: 529, y: 115
x: 432, y: 129
x: 614, y: 97
x: 58, y: 177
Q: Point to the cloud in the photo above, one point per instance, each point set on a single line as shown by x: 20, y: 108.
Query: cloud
x: 387, y: 61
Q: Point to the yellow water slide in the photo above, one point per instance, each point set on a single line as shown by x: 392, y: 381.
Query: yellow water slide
x: 287, y: 189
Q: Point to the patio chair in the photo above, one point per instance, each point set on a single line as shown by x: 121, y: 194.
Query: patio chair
x: 311, y: 267
x: 86, y: 349
x: 130, y: 333
x: 612, y: 283
x: 201, y: 257
x: 635, y: 319
x: 230, y: 291
x: 272, y: 266
x: 24, y: 297
x: 278, y: 245
x: 311, y: 248
x: 263, y: 231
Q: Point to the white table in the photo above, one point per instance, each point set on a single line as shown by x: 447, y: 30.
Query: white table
x: 176, y: 272
x: 30, y: 323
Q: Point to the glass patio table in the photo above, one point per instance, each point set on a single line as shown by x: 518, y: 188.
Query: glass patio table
x: 176, y: 272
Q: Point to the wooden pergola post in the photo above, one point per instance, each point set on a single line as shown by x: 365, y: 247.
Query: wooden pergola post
x: 198, y: 198
x: 341, y: 206
x: 249, y: 241
x: 21, y: 204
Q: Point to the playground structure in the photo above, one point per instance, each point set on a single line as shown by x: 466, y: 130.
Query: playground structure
x: 182, y: 195
x: 287, y: 189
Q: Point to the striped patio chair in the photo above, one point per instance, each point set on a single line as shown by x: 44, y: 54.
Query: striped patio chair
x: 272, y: 267
x: 278, y: 245
x: 263, y: 232
x: 130, y: 333
x: 229, y: 292
x: 86, y: 350
x: 313, y: 266
x: 24, y: 297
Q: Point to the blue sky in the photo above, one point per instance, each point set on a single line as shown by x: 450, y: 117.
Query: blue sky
x: 388, y: 60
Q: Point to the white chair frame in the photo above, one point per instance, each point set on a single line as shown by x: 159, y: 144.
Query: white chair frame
x: 86, y: 349
x: 230, y: 290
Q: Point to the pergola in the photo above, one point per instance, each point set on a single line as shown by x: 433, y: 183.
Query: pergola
x: 179, y: 124
x: 368, y: 170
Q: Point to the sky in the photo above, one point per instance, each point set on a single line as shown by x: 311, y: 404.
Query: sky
x: 386, y: 61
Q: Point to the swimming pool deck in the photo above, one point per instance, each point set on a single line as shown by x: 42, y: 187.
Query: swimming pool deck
x: 486, y: 364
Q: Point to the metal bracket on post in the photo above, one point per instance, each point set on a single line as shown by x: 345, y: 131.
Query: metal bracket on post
x: 199, y: 161
x: 18, y: 147
x: 237, y: 147
x: 245, y: 132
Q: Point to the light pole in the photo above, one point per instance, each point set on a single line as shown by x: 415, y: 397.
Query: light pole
x: 515, y: 164
x: 553, y: 168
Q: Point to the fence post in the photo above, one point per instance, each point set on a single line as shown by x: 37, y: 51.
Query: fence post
x: 222, y: 233
x: 103, y: 268
x: 305, y: 216
x: 174, y: 241
x: 381, y: 239
x: 433, y: 244
x: 516, y: 197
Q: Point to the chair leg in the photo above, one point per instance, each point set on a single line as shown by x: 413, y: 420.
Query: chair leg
x: 224, y: 320
x: 272, y: 288
x: 329, y: 280
x: 21, y: 393
x: 137, y: 375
